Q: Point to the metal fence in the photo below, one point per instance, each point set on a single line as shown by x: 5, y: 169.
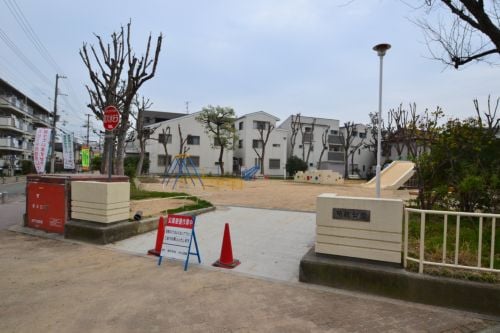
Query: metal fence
x: 481, y: 218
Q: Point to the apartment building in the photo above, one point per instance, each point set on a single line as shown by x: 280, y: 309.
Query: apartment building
x: 250, y: 143
x: 203, y: 151
x: 316, y: 141
x: 20, y: 116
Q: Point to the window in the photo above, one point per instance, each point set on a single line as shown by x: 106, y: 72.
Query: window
x: 276, y: 145
x: 359, y: 151
x: 195, y: 160
x: 363, y: 167
x: 193, y: 140
x: 335, y: 148
x: 240, y: 125
x: 165, y: 138
x: 163, y: 160
x: 300, y: 146
x: 274, y: 163
x: 362, y: 135
x: 257, y: 143
x: 240, y: 143
x: 334, y: 132
x: 354, y: 133
x: 257, y: 161
x: 260, y: 125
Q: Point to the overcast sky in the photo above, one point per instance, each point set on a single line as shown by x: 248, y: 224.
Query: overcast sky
x: 314, y: 57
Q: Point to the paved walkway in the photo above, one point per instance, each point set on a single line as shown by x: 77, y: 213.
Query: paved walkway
x: 269, y: 243
x: 56, y: 286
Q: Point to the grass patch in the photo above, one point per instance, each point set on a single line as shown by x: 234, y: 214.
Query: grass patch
x: 468, y: 246
x: 197, y: 203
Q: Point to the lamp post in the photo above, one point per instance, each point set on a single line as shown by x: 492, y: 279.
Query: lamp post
x: 380, y: 49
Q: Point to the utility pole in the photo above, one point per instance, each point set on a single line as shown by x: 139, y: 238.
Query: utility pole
x: 54, y: 121
x: 187, y: 107
x: 88, y: 128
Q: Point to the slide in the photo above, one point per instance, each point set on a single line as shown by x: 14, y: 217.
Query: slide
x: 394, y: 176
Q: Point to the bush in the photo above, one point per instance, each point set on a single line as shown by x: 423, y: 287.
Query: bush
x: 295, y: 164
x: 130, y: 164
x: 27, y: 167
x: 96, y: 162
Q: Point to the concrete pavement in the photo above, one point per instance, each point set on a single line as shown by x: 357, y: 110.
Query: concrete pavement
x: 58, y: 286
x: 269, y: 243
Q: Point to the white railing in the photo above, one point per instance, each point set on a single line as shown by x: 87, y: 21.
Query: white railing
x: 421, y: 257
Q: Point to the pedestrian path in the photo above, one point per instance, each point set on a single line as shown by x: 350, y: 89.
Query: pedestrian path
x: 269, y: 243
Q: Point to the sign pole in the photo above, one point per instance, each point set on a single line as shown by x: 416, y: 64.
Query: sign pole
x: 111, y: 118
x: 111, y: 146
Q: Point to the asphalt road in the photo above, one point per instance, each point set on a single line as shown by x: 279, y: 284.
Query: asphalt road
x: 11, y: 212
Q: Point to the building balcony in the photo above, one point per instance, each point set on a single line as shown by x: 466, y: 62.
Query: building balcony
x: 16, y: 105
x: 14, y: 144
x: 334, y: 139
x: 12, y: 124
x: 334, y: 156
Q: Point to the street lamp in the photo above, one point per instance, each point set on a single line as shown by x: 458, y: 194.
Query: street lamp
x: 380, y: 49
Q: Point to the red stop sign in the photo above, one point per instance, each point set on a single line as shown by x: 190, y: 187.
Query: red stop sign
x: 111, y: 118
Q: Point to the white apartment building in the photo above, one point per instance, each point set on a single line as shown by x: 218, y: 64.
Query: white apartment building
x: 199, y: 146
x: 19, y: 118
x: 309, y: 142
x: 250, y: 142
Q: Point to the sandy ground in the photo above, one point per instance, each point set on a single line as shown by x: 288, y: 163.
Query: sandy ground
x: 275, y: 194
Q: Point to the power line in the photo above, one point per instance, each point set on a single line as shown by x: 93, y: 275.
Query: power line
x: 22, y: 57
x: 28, y: 30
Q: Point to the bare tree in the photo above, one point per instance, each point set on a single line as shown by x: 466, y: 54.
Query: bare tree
x: 182, y: 141
x: 354, y: 148
x: 471, y: 33
x: 117, y: 74
x: 294, y: 127
x: 491, y: 121
x: 310, y: 141
x: 324, y: 145
x: 163, y: 138
x: 346, y: 139
x: 141, y: 133
x: 264, y: 133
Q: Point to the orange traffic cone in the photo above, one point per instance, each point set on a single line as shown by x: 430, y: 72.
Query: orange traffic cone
x: 159, y: 238
x: 226, y: 254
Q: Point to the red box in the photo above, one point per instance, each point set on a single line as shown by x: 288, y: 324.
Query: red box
x: 46, y: 208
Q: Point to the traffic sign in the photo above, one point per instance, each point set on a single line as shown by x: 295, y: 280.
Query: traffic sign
x: 111, y: 117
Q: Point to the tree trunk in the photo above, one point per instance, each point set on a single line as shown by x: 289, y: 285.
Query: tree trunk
x: 346, y: 164
x: 120, y: 155
x: 262, y: 160
x: 138, y: 170
x: 221, y: 162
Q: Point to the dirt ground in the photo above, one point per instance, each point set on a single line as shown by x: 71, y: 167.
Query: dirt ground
x: 269, y: 193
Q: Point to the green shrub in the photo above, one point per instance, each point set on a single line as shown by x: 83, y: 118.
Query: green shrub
x: 295, y: 164
x: 27, y: 167
x: 130, y: 164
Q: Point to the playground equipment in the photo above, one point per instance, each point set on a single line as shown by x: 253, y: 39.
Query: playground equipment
x: 394, y: 176
x: 319, y: 177
x: 250, y: 173
x: 180, y: 167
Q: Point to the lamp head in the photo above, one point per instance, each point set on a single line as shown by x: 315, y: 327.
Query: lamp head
x: 381, y: 49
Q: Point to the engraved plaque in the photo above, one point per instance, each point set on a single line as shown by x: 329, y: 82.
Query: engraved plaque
x: 358, y: 215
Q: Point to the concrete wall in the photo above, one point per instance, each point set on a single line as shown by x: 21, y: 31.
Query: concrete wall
x: 380, y: 238
x: 99, y: 201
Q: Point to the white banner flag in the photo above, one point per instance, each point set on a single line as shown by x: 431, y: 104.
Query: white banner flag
x: 68, y: 154
x: 41, y: 148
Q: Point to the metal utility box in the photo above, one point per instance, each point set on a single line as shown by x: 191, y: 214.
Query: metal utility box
x: 48, y: 199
